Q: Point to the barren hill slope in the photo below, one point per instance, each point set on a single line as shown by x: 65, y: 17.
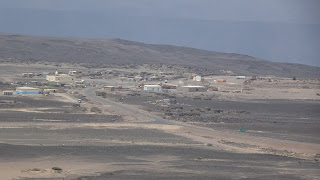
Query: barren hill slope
x: 117, y: 51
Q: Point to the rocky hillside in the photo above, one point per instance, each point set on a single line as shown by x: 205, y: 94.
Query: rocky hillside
x: 117, y: 51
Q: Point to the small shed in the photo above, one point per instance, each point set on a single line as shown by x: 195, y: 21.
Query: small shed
x: 44, y: 74
x: 7, y: 93
x: 54, y: 83
x: 221, y: 80
x: 72, y: 73
x: 128, y: 79
x: 108, y: 88
x: 169, y: 86
x: 152, y: 88
x: 240, y: 77
x: 27, y: 75
x: 33, y: 83
x: 51, y: 90
x: 192, y: 89
x: 197, y: 78
x: 67, y: 86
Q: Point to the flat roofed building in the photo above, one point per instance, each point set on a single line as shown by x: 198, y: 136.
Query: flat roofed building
x: 197, y: 78
x: 221, y: 80
x: 240, y: 77
x: 152, y: 88
x: 27, y: 75
x: 128, y: 79
x: 7, y: 93
x: 169, y: 86
x: 72, y: 73
x: 62, y: 78
x: 27, y: 90
x: 108, y: 88
x: 192, y: 89
x: 50, y: 90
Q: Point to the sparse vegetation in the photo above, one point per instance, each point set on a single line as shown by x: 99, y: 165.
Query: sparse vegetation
x: 57, y: 169
x: 96, y: 110
x: 35, y: 169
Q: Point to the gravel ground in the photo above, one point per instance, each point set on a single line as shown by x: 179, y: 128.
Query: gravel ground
x: 138, y: 162
x: 286, y: 119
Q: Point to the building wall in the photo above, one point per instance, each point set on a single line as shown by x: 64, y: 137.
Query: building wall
x: 154, y: 89
x: 50, y: 78
x: 7, y: 93
x: 65, y: 78
x: 109, y: 88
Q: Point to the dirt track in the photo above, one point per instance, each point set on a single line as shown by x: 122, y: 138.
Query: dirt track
x: 138, y: 145
x: 215, y: 137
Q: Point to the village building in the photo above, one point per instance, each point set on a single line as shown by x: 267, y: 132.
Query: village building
x: 62, y: 78
x: 27, y: 75
x: 169, y: 86
x: 8, y: 93
x: 152, y: 88
x: 221, y: 80
x: 33, y: 83
x: 154, y: 78
x: 72, y: 73
x: 44, y: 74
x: 27, y: 90
x: 108, y: 88
x: 192, y: 89
x: 53, y: 83
x: 128, y: 79
x: 240, y: 77
x: 197, y: 78
x: 47, y: 91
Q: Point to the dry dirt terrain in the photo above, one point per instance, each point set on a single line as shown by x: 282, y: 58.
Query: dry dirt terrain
x: 90, y: 146
x: 268, y: 130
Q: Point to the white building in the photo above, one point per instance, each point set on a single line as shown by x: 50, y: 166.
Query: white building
x: 62, y: 78
x: 197, y: 78
x: 240, y: 77
x: 72, y: 73
x: 27, y: 90
x: 153, y: 88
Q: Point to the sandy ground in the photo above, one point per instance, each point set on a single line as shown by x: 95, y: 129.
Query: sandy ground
x: 122, y: 151
x: 127, y: 142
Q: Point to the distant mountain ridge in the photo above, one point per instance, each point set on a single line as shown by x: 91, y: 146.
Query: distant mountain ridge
x: 118, y: 51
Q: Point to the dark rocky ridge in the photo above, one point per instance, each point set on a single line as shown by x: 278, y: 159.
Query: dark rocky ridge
x: 117, y: 51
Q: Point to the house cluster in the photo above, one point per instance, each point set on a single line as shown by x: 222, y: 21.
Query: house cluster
x: 29, y: 91
x: 65, y: 80
x: 30, y: 84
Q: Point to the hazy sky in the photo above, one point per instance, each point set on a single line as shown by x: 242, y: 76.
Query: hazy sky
x: 293, y: 11
x: 278, y: 30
